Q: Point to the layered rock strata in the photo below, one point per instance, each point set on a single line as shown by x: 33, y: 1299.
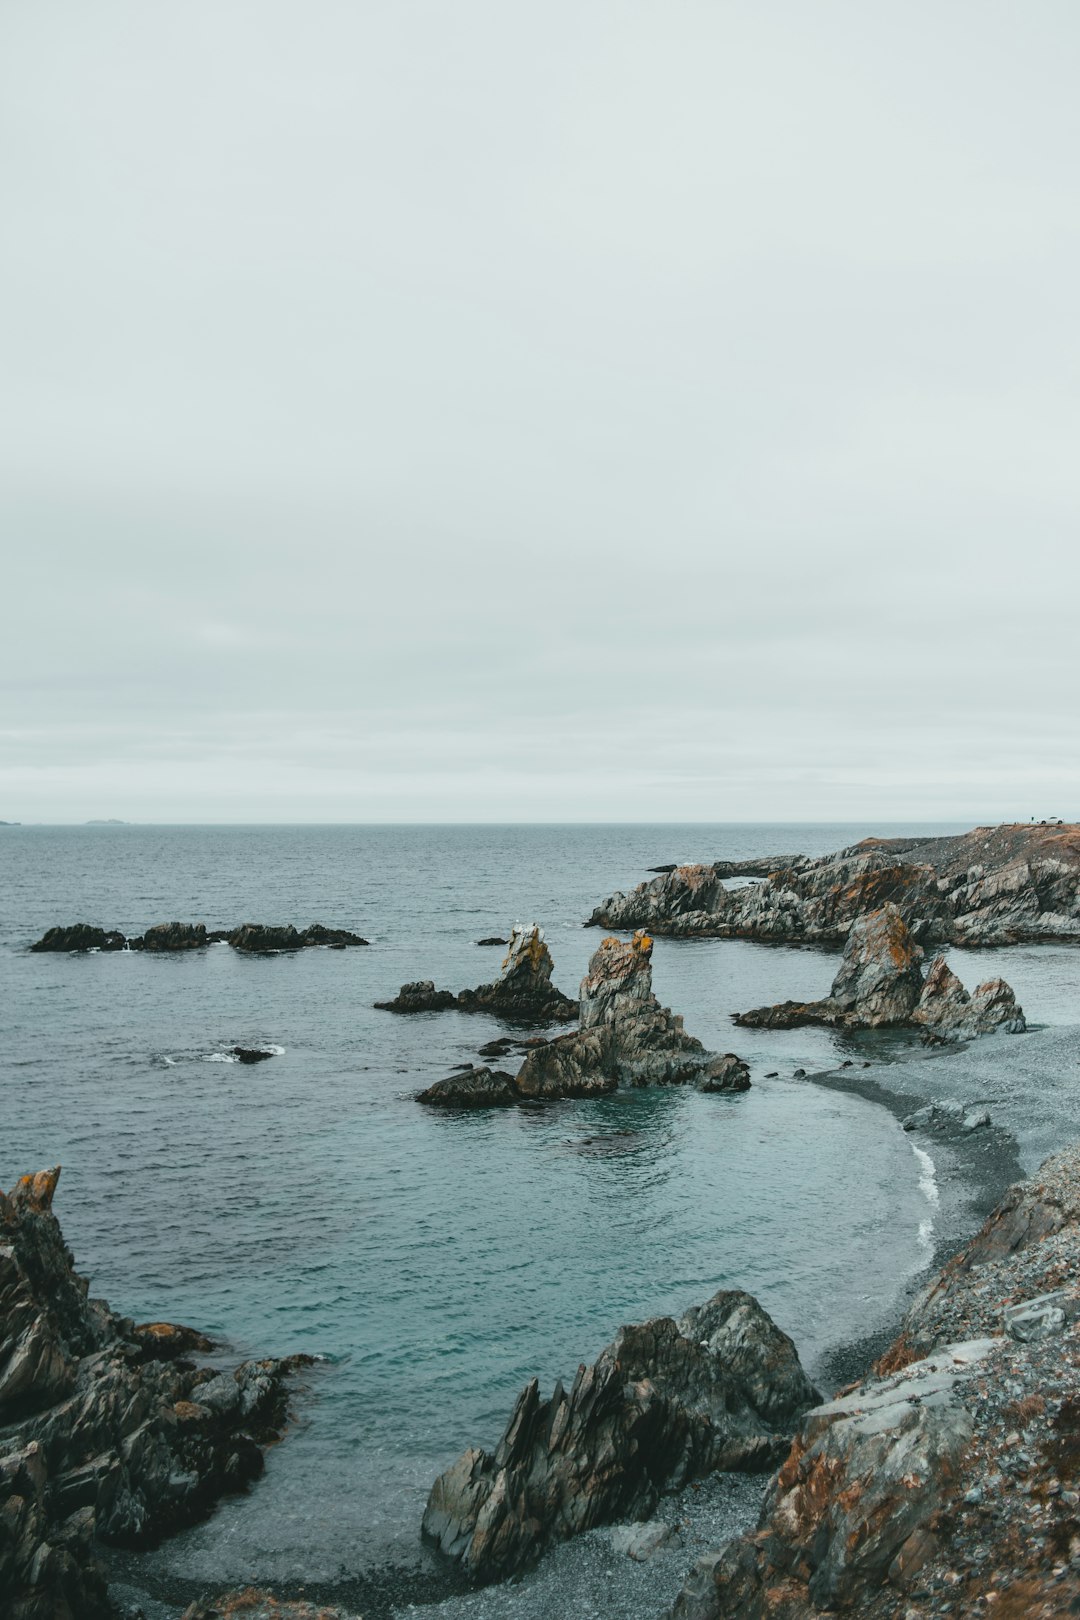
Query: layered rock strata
x: 625, y: 1039
x: 667, y: 1402
x: 880, y: 982
x: 252, y: 938
x: 949, y: 1480
x: 523, y: 992
x: 107, y: 1431
x: 992, y: 886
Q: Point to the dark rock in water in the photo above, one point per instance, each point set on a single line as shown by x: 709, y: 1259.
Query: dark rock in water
x: 672, y: 866
x: 494, y: 940
x: 994, y: 886
x: 665, y: 1403
x: 336, y: 938
x: 880, y: 982
x: 419, y: 996
x: 523, y: 992
x: 80, y: 937
x: 472, y: 1088
x: 172, y: 936
x: 498, y: 1048
x: 251, y: 1054
x: 106, y: 1430
x: 626, y: 1037
x: 261, y: 938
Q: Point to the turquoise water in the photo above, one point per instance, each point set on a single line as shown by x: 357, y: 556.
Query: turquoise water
x: 308, y: 1203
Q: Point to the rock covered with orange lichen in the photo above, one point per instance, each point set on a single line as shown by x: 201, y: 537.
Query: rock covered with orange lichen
x: 107, y: 1431
x: 880, y: 982
x: 994, y: 885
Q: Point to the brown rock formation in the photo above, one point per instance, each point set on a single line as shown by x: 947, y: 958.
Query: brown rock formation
x: 523, y: 992
x: 995, y: 885
x: 665, y: 1403
x: 880, y: 982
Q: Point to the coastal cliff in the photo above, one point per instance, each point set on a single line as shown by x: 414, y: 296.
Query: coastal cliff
x: 948, y: 1481
x: 992, y: 886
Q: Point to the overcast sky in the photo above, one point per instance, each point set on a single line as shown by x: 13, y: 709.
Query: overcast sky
x: 488, y: 411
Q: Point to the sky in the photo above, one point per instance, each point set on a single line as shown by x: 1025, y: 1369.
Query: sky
x: 580, y: 411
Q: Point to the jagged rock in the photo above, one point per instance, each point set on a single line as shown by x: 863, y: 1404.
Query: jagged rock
x: 172, y: 936
x: 575, y: 1065
x: 419, y: 996
x: 336, y: 938
x: 995, y: 885
x: 522, y: 992
x: 473, y: 1088
x: 726, y: 1073
x: 947, y: 1009
x: 106, y: 1430
x: 880, y: 982
x: 252, y: 1603
x: 665, y: 1403
x: 80, y: 937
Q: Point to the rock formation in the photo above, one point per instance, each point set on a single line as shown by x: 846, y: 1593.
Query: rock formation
x: 948, y: 1481
x: 106, y: 1430
x: 880, y: 982
x: 251, y: 1603
x: 994, y: 886
x: 523, y: 991
x: 625, y: 1039
x: 252, y: 938
x: 666, y: 1402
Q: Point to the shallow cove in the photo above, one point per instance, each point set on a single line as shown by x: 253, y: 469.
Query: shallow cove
x: 309, y: 1204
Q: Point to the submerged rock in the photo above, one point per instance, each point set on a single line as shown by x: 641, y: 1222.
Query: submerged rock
x: 523, y: 991
x: 107, y: 1431
x: 666, y: 1402
x: 880, y: 982
x: 994, y: 885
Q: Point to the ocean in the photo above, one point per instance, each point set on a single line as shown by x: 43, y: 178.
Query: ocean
x: 432, y: 1263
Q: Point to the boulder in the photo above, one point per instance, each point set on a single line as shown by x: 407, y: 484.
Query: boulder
x: 880, y: 982
x: 259, y: 939
x: 107, y: 1432
x: 80, y: 937
x: 335, y: 938
x: 253, y: 1603
x: 251, y: 1054
x: 172, y: 936
x: 667, y: 1402
x: 419, y: 996
x: 472, y: 1088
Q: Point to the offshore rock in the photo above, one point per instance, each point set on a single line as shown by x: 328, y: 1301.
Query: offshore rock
x: 80, y: 937
x: 523, y: 992
x: 994, y: 885
x: 262, y: 938
x: 472, y: 1088
x: 666, y: 1402
x: 172, y: 936
x: 951, y: 1474
x: 626, y: 1038
x: 106, y: 1431
x: 880, y: 982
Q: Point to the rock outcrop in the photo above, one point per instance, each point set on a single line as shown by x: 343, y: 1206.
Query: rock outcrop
x: 667, y: 1402
x: 472, y: 1088
x: 107, y: 1431
x: 252, y: 1603
x: 949, y: 1480
x: 625, y: 1038
x: 523, y: 992
x: 252, y: 938
x: 992, y: 886
x: 880, y: 982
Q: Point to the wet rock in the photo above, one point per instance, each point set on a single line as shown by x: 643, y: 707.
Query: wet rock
x: 419, y: 996
x: 472, y: 1088
x: 335, y: 938
x: 665, y: 1403
x: 251, y: 1054
x: 994, y: 885
x: 253, y: 1603
x: 80, y: 937
x: 172, y: 936
x: 726, y: 1073
x: 880, y: 982
x: 494, y: 939
x: 104, y: 1431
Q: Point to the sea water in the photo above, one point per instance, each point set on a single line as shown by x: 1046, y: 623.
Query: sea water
x: 432, y: 1262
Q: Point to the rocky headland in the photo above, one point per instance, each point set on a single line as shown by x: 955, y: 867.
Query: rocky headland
x: 948, y: 1481
x: 880, y: 983
x: 109, y: 1432
x: 523, y: 992
x: 665, y: 1403
x: 255, y: 939
x: 992, y: 886
x: 625, y: 1038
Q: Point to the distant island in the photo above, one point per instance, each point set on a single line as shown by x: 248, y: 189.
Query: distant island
x: 10, y: 823
x: 107, y: 821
